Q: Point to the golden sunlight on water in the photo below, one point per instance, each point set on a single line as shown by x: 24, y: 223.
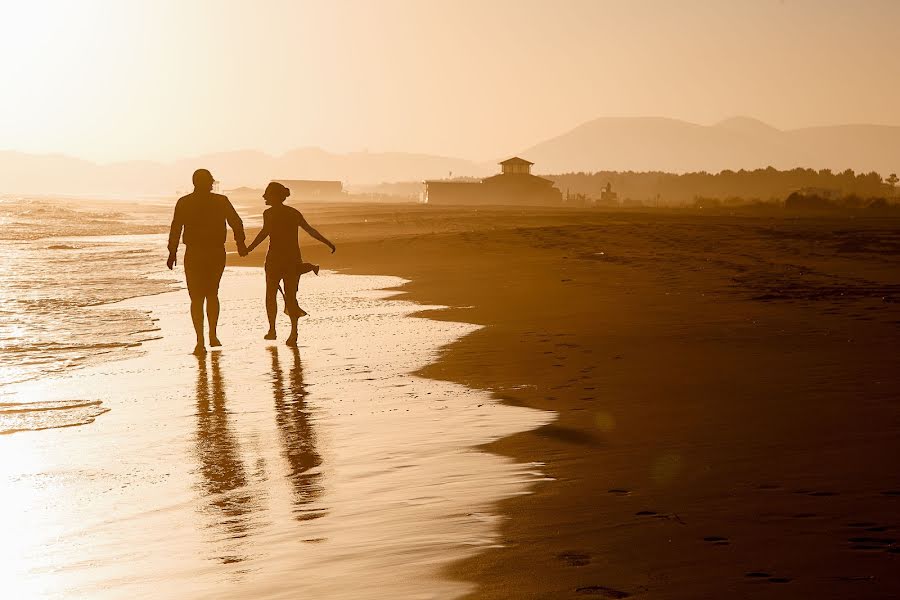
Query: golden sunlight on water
x: 260, y: 471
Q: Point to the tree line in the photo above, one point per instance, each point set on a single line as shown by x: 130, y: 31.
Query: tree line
x: 759, y: 185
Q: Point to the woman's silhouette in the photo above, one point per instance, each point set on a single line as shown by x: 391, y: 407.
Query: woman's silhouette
x: 281, y: 224
x: 298, y: 437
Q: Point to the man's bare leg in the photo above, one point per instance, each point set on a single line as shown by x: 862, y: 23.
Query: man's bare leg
x: 197, y: 318
x: 212, y: 314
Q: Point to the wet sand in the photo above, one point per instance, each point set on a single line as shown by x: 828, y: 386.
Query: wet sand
x: 258, y: 471
x: 726, y: 391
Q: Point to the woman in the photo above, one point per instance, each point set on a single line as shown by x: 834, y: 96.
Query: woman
x: 281, y: 225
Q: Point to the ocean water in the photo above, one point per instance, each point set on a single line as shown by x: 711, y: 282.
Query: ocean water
x: 260, y: 471
x: 59, y: 260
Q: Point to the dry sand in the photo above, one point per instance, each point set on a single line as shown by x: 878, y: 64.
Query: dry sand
x: 726, y: 388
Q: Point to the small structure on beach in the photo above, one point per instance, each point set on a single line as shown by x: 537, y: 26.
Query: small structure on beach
x: 312, y: 190
x: 514, y: 185
x: 608, y: 197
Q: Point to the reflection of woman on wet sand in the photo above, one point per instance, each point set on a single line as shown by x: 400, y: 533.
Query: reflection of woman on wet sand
x: 297, y: 435
x: 224, y: 478
x: 281, y: 224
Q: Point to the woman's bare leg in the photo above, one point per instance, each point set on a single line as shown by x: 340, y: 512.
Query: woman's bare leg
x: 271, y: 305
x: 292, y: 339
x: 294, y: 310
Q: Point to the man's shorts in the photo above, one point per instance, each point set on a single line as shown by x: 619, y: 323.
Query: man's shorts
x: 203, y: 268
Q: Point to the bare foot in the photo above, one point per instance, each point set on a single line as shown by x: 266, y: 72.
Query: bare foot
x: 316, y: 269
x: 270, y: 335
x: 297, y: 312
x: 200, y: 349
x: 214, y: 341
x: 291, y: 341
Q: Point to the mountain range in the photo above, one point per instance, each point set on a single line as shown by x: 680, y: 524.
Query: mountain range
x: 22, y: 173
x: 610, y: 144
x: 658, y: 144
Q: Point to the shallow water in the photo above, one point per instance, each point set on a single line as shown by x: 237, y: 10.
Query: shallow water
x: 55, y: 263
x: 260, y: 471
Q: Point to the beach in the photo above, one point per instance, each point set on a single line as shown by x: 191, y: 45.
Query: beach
x: 492, y: 403
x: 725, y: 385
x: 257, y: 470
x: 594, y: 299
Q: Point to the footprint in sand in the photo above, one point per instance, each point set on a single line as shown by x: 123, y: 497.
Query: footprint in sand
x: 602, y: 591
x: 872, y: 543
x: 575, y: 559
x: 716, y: 540
x: 862, y: 524
x: 762, y: 575
x: 666, y: 517
x: 816, y: 493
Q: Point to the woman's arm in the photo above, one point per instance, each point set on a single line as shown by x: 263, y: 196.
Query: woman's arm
x: 312, y: 231
x: 263, y: 234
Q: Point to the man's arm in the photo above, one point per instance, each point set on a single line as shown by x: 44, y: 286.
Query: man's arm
x: 312, y: 231
x: 237, y: 226
x: 263, y: 234
x: 175, y: 234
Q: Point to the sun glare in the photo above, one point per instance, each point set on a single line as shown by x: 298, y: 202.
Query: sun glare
x: 53, y: 51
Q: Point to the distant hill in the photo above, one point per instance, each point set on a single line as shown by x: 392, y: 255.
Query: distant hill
x: 607, y: 144
x: 22, y: 173
x: 658, y: 144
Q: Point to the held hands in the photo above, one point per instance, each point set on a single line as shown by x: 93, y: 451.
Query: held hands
x: 172, y: 261
x: 242, y: 249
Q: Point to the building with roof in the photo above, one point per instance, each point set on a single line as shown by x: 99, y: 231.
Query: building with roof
x: 514, y: 185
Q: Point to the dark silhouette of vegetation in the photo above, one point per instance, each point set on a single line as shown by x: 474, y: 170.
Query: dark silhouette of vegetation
x: 814, y: 201
x: 892, y: 180
x: 728, y: 187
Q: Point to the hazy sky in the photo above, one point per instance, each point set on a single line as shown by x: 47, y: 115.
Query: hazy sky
x: 157, y: 79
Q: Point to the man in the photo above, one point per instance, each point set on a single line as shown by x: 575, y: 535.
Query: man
x: 203, y: 215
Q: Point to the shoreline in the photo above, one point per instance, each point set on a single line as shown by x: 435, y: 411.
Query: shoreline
x: 686, y: 455
x: 718, y: 428
x: 372, y: 468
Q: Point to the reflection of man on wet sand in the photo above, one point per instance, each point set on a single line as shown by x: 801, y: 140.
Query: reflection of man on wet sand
x: 203, y: 216
x: 224, y: 478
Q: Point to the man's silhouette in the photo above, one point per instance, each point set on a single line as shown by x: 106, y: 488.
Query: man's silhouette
x: 203, y: 215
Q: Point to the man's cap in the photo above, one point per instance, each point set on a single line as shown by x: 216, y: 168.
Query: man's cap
x: 202, y: 176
